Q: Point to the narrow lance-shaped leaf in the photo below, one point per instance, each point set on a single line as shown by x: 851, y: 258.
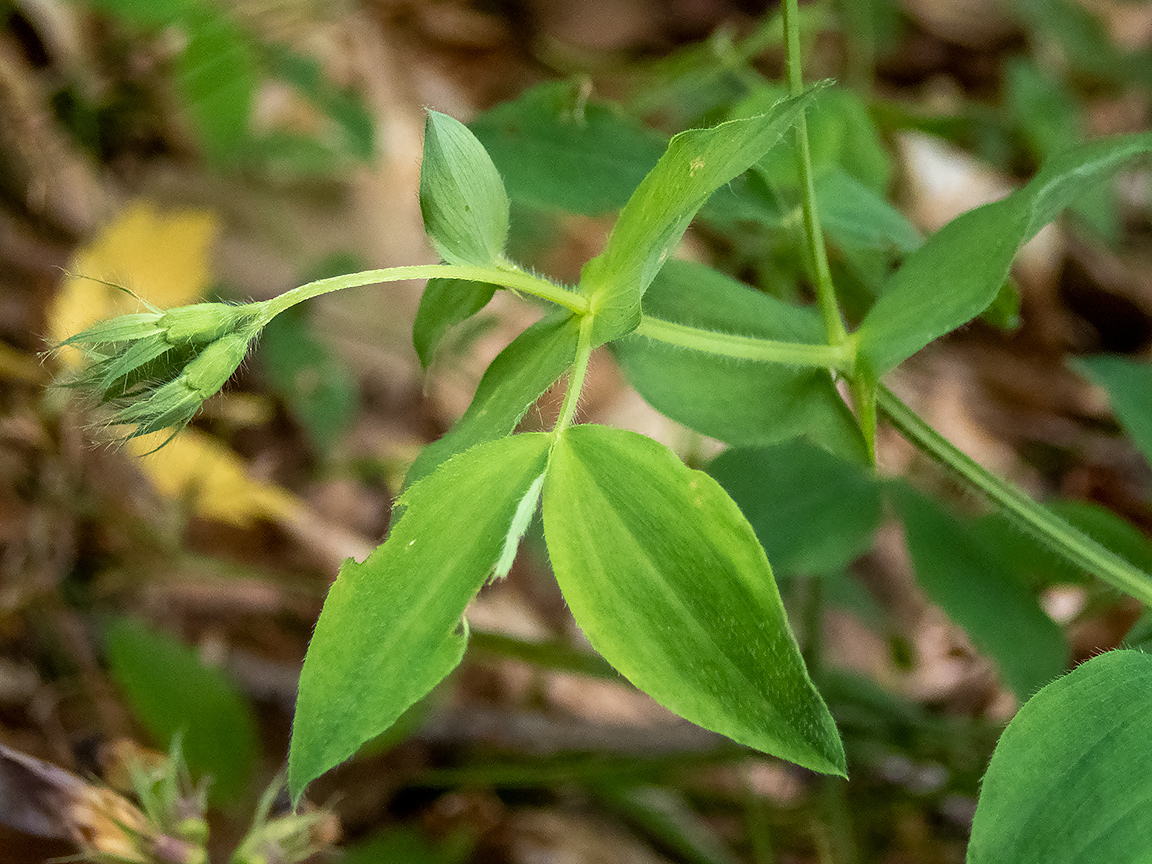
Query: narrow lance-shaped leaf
x: 958, y: 272
x: 528, y: 366
x: 666, y: 578
x: 462, y: 197
x: 1069, y: 781
x: 390, y: 628
x: 695, y: 165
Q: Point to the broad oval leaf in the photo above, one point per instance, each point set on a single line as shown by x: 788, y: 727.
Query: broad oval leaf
x: 390, y: 628
x: 743, y: 403
x: 1129, y: 386
x: 814, y: 513
x: 668, y: 581
x: 519, y: 375
x: 959, y: 271
x: 1069, y: 780
x: 975, y: 588
x: 173, y: 692
x: 695, y: 165
x: 462, y: 197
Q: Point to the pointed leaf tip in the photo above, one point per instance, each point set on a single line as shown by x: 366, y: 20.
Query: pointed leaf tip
x: 462, y: 197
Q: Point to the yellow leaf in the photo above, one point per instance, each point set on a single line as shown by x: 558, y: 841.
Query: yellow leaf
x: 161, y: 257
x: 198, y: 469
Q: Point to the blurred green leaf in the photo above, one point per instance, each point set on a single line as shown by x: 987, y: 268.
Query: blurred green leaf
x: 390, y: 629
x: 316, y: 386
x: 812, y: 512
x: 1068, y: 783
x: 173, y: 693
x: 216, y: 74
x: 556, y: 148
x: 1129, y: 386
x: 357, y: 136
x: 979, y: 593
x: 667, y: 580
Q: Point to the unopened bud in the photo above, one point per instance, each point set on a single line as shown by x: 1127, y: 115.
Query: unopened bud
x: 201, y: 322
x: 215, y: 364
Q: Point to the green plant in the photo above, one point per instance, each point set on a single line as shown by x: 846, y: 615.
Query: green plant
x: 661, y: 568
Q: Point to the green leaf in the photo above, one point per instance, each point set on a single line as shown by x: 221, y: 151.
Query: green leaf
x: 147, y: 13
x: 958, y: 272
x: 352, y: 120
x: 976, y: 590
x: 315, y: 385
x: 1069, y: 780
x: 696, y: 163
x: 813, y: 513
x: 445, y: 303
x: 462, y: 197
x: 216, y: 75
x: 173, y: 693
x: 745, y: 404
x: 841, y: 137
x: 667, y: 580
x: 519, y: 375
x: 856, y: 216
x: 1129, y: 386
x: 390, y: 629
x: 555, y: 148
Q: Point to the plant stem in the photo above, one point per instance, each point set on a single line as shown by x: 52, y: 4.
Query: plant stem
x: 576, y: 375
x: 839, y: 357
x: 1053, y: 531
x: 825, y: 292
x: 508, y: 276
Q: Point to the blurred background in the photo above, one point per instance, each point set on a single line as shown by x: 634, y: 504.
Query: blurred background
x: 190, y: 149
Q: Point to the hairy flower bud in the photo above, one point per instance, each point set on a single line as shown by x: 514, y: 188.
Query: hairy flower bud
x: 201, y: 322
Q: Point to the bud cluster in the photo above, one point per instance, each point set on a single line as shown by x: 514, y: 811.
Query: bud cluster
x: 154, y: 369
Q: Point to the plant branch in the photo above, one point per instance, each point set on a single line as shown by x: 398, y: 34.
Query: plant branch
x: 1050, y: 529
x: 839, y: 357
x: 576, y: 376
x: 507, y: 275
x: 825, y: 291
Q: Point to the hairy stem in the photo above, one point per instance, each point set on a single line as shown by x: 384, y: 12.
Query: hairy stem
x: 507, y: 275
x: 1044, y: 525
x: 839, y: 357
x: 576, y: 375
x: 825, y: 292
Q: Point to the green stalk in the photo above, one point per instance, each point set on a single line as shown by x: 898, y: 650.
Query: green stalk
x: 507, y: 276
x: 825, y: 292
x: 1044, y: 525
x: 576, y: 376
x: 839, y: 357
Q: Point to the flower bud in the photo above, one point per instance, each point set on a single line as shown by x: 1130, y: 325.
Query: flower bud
x: 201, y: 322
x: 215, y: 364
